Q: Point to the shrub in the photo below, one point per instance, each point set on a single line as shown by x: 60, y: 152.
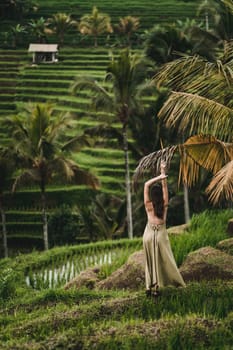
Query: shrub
x: 63, y: 226
x: 8, y: 280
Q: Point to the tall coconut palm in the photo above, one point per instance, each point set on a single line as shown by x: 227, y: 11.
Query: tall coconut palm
x: 126, y: 77
x: 95, y: 24
x: 60, y: 24
x: 41, y: 145
x: 201, y: 103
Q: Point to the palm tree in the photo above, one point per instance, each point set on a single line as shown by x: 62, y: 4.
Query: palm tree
x: 221, y: 15
x: 201, y: 103
x: 39, y: 29
x: 126, y: 77
x: 95, y: 24
x: 127, y: 26
x: 163, y: 42
x: 210, y: 9
x: 41, y: 145
x: 61, y: 23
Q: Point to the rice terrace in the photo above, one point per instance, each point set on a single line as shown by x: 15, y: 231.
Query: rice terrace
x: 95, y: 97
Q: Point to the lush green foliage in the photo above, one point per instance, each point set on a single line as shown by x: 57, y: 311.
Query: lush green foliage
x: 63, y: 226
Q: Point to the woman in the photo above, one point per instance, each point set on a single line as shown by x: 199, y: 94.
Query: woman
x: 160, y: 266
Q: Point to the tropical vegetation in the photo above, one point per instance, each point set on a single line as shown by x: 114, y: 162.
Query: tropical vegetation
x: 72, y: 134
x: 41, y: 147
x: 146, y: 132
x: 127, y: 79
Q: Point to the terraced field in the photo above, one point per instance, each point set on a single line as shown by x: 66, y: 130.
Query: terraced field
x: 21, y: 82
x: 149, y: 13
x: 51, y: 82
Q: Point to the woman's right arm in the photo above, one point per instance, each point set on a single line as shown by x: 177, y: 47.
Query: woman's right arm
x: 164, y: 188
x: 148, y: 184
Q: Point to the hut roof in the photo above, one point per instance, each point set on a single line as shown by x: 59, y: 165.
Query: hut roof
x: 43, y: 48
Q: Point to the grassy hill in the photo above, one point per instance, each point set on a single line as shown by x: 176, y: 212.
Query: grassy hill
x: 36, y: 314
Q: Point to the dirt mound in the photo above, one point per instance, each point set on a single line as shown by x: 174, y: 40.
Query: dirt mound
x: 226, y: 245
x: 207, y: 263
x: 129, y: 276
x: 87, y: 278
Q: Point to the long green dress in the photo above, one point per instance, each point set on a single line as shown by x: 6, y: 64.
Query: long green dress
x: 160, y: 265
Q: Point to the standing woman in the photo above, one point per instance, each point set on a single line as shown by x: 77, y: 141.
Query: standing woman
x: 160, y: 266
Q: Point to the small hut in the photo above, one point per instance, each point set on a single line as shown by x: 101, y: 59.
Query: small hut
x: 43, y: 53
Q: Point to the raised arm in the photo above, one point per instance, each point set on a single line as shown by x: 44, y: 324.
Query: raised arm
x: 164, y: 183
x: 161, y: 177
x: 164, y: 188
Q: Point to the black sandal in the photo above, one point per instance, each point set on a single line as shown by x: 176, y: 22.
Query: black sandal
x: 155, y: 293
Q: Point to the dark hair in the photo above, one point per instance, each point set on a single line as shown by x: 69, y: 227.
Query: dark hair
x: 156, y: 196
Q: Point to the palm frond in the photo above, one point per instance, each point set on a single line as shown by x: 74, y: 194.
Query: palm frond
x: 78, y: 142
x: 208, y: 152
x: 101, y: 98
x: 228, y: 52
x: 84, y: 83
x: 229, y: 4
x: 72, y: 173
x: 59, y: 125
x: 221, y: 186
x: 179, y: 72
x: 151, y: 163
x: 189, y: 171
x: 195, y: 75
x: 28, y: 176
x: 194, y: 113
x: 84, y: 177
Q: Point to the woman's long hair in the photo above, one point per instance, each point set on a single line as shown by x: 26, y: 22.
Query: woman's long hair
x: 156, y: 196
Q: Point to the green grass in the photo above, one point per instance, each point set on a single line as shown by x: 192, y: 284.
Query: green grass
x: 207, y: 228
x: 190, y: 319
x: 196, y: 317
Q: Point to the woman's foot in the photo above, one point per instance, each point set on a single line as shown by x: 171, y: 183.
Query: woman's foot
x: 155, y: 293
x: 148, y: 292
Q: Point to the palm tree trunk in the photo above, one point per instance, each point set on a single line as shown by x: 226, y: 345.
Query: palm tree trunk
x: 4, y: 232
x: 95, y: 41
x: 127, y: 184
x: 186, y: 204
x: 45, y: 220
x: 206, y: 21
